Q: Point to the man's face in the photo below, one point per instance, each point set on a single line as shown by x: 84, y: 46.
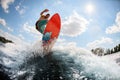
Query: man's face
x: 47, y: 15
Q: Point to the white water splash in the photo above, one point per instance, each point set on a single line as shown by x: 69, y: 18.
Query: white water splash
x: 101, y: 68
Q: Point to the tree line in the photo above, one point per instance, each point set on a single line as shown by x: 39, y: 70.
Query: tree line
x: 101, y: 51
x: 113, y: 50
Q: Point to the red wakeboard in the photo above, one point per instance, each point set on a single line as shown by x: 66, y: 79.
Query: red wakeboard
x: 53, y: 26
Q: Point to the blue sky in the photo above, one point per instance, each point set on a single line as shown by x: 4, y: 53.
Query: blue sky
x: 85, y: 23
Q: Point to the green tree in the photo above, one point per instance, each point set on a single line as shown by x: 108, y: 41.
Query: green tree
x: 108, y: 51
x: 92, y: 50
x: 115, y: 49
x: 112, y: 51
x: 118, y: 47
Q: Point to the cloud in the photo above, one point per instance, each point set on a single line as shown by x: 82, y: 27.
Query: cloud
x: 9, y: 36
x: 21, y: 36
x: 63, y: 42
x: 5, y: 4
x: 10, y: 29
x: 2, y: 22
x: 100, y: 43
x: 20, y: 8
x: 74, y: 25
x: 115, y: 28
x: 64, y: 46
x: 31, y: 29
x: 58, y: 2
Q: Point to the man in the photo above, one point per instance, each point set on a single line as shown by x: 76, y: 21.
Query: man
x: 42, y: 21
x: 40, y: 26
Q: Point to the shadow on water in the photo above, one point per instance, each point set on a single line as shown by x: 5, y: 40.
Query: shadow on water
x: 50, y: 67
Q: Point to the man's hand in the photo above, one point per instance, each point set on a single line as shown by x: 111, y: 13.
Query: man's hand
x: 46, y: 10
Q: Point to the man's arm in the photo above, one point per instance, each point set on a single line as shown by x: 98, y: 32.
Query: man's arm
x: 46, y: 10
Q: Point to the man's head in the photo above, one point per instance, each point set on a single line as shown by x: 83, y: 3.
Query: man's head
x: 47, y: 16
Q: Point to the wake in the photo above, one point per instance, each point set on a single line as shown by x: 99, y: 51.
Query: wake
x: 70, y: 63
x: 63, y: 63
